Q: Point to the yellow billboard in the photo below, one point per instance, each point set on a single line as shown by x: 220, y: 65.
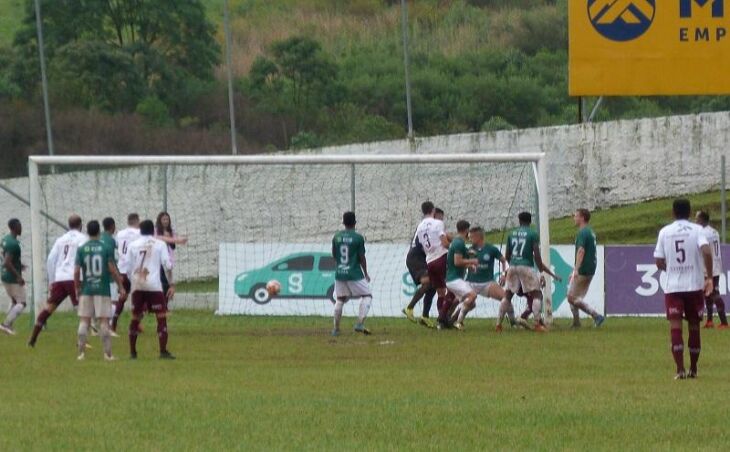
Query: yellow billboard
x: 649, y: 47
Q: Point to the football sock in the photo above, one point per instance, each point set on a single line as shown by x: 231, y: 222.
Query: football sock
x: 420, y: 292
x: 694, y: 344
x: 118, y: 308
x: 83, y: 334
x: 162, y: 333
x: 576, y: 314
x: 42, y: 317
x: 338, y: 313
x: 678, y: 348
x: 583, y: 306
x: 463, y: 311
x: 364, y: 309
x: 536, y: 309
x: 10, y: 307
x: 721, y: 309
x: 106, y: 338
x: 428, y: 301
x: 133, y: 331
x: 503, y: 308
x: 13, y: 314
x: 510, y: 313
x: 440, y: 306
x: 708, y: 305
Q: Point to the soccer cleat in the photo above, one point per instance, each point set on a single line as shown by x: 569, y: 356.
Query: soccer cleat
x: 692, y: 374
x: 523, y: 323
x: 109, y: 357
x: 425, y: 321
x: 409, y: 314
x: 575, y: 326
x: 498, y: 329
x: 680, y: 375
x: 9, y: 331
x: 88, y: 347
x: 133, y: 355
x: 709, y: 325
x: 459, y: 326
x: 360, y: 328
x: 113, y: 333
x: 81, y: 357
x: 335, y: 332
x: 540, y: 328
x: 31, y: 344
x: 167, y: 355
x: 441, y: 326
x: 598, y: 321
x: 723, y: 326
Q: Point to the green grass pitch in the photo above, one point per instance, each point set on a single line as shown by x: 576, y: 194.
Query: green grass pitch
x: 282, y: 383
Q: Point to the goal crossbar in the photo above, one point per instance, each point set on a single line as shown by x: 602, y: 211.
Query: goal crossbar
x: 35, y: 162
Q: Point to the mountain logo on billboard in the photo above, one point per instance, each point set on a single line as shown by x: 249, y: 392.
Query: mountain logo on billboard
x: 621, y: 20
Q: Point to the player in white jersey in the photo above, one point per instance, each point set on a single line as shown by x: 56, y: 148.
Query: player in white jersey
x: 147, y: 257
x: 713, y: 237
x: 431, y: 232
x: 60, y: 266
x: 682, y: 251
x: 124, y: 238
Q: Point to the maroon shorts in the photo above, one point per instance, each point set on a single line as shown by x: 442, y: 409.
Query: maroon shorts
x: 688, y: 305
x: 60, y: 290
x: 437, y: 272
x: 148, y: 301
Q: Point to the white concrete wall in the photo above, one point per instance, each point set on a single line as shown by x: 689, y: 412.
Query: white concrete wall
x: 593, y: 165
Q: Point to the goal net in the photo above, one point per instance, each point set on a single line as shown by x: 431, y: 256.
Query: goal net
x: 253, y: 219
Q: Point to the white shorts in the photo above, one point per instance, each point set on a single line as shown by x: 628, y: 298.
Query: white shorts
x: 523, y: 277
x: 16, y: 292
x: 94, y: 306
x: 482, y: 288
x: 352, y: 289
x: 114, y: 290
x: 459, y: 287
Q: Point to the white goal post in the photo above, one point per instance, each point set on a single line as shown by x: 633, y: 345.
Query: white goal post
x: 36, y: 163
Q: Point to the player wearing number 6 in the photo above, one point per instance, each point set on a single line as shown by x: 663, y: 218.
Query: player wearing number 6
x: 680, y: 251
x: 351, y: 277
x: 523, y: 254
x: 95, y: 259
x: 60, y: 266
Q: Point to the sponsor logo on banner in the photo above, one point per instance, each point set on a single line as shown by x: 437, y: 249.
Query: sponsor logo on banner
x: 621, y: 20
x: 306, y: 275
x: 634, y: 284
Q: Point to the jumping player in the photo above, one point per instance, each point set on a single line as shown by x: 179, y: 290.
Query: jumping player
x: 680, y: 251
x: 95, y: 260
x: 124, y: 238
x: 147, y: 256
x: 712, y: 236
x: 11, y: 275
x: 60, y: 267
x: 351, y: 277
x: 585, y: 267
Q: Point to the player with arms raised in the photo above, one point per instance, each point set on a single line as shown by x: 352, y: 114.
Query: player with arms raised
x: 124, y: 238
x: 60, y: 267
x: 585, y: 267
x: 523, y: 253
x: 95, y: 260
x: 147, y: 255
x: 712, y: 236
x: 351, y: 277
x: 11, y: 275
x: 680, y: 251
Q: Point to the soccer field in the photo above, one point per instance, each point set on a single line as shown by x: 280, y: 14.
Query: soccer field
x: 283, y: 383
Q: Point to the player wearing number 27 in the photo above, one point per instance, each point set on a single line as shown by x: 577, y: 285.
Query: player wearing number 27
x: 680, y: 251
x: 351, y: 277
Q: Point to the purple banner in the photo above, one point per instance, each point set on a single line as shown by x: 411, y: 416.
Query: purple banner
x: 634, y: 286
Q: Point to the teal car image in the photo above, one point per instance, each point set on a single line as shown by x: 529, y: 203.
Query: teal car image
x: 301, y: 275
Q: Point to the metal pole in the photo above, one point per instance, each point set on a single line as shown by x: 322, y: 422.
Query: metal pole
x: 723, y: 200
x: 544, y: 220
x: 406, y: 65
x: 229, y: 71
x: 36, y: 262
x: 44, y: 80
x: 164, y: 188
x: 596, y: 107
x: 352, y: 187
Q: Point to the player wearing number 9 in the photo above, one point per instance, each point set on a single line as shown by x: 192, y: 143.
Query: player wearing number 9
x: 60, y: 267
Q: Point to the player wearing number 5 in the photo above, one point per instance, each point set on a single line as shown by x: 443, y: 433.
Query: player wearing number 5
x: 96, y: 260
x: 351, y: 277
x: 523, y: 254
x: 680, y: 251
x: 60, y: 267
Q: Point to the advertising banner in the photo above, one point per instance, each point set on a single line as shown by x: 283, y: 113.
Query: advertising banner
x: 306, y: 274
x: 649, y: 47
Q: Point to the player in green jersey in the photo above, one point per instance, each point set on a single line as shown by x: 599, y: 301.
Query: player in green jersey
x: 351, y: 277
x: 95, y: 261
x: 585, y: 267
x: 523, y: 254
x: 11, y: 275
x: 457, y: 263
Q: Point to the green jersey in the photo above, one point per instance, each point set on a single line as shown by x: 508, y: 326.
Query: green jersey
x: 458, y: 246
x: 486, y: 255
x: 520, y: 244
x: 347, y: 248
x: 94, y: 257
x: 10, y: 246
x: 108, y: 240
x: 586, y: 239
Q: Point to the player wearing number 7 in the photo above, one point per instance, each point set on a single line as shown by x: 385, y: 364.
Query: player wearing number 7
x: 96, y: 260
x: 60, y: 267
x: 351, y: 277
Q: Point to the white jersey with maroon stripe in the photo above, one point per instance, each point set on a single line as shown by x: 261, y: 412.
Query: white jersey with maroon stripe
x: 429, y: 234
x: 146, y: 257
x: 62, y: 258
x: 713, y: 237
x: 124, y: 238
x: 679, y: 245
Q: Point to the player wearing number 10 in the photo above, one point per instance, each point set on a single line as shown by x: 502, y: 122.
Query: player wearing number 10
x: 351, y: 276
x: 95, y: 260
x: 713, y: 237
